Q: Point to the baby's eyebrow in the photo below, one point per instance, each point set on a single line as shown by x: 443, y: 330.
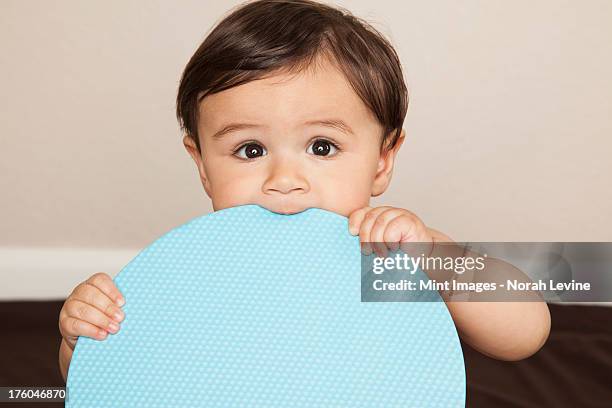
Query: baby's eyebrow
x: 233, y: 127
x: 338, y: 124
x: 332, y: 123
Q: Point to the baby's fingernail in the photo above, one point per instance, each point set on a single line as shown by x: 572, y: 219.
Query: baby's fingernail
x: 120, y: 301
x: 102, y: 333
x: 352, y: 229
x: 114, y: 327
x: 381, y: 253
x: 366, y: 249
x: 118, y: 316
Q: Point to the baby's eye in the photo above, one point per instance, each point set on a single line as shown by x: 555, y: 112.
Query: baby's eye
x: 251, y: 151
x: 322, y: 147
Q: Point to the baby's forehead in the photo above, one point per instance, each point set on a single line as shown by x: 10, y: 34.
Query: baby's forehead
x: 293, y: 97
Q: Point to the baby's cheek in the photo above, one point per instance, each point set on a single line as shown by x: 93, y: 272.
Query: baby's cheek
x: 346, y: 198
x: 228, y: 195
x: 234, y: 188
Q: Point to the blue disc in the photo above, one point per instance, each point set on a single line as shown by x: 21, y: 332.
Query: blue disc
x: 247, y: 307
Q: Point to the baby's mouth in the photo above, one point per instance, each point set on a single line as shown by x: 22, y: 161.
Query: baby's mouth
x: 287, y: 209
x: 292, y: 212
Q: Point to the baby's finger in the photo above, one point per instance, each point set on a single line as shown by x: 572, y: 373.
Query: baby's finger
x: 92, y: 295
x: 105, y: 283
x: 411, y: 241
x: 71, y: 328
x: 393, y: 233
x: 378, y: 230
x: 366, y: 228
x: 356, y: 218
x: 90, y: 314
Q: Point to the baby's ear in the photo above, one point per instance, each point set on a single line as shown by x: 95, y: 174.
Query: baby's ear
x: 194, y: 152
x: 385, y: 166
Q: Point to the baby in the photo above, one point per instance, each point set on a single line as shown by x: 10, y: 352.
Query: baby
x: 292, y: 105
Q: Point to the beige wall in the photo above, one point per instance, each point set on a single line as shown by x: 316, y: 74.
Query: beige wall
x: 509, y: 126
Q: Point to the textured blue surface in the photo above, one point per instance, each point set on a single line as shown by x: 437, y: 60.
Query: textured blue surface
x: 247, y: 307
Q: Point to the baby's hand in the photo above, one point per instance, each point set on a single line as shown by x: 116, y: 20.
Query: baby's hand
x: 93, y: 309
x: 387, y: 228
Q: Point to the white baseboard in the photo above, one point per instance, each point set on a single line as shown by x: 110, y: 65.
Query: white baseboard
x: 52, y: 273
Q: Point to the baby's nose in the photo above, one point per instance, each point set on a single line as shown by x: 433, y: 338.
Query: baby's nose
x: 285, y: 178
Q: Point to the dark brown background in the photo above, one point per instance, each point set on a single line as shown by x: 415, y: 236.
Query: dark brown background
x: 573, y: 369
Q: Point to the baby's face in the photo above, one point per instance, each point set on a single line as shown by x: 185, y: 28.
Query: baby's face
x: 279, y: 149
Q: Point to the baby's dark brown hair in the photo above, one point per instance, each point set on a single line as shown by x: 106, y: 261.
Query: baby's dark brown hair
x: 264, y: 37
